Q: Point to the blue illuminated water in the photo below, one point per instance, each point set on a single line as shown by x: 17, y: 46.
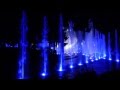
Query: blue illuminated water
x: 61, y: 40
x: 116, y: 46
x: 44, y: 46
x: 23, y: 48
x: 109, y: 47
x: 82, y: 53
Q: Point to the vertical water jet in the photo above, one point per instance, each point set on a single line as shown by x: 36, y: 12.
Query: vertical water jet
x: 22, y: 73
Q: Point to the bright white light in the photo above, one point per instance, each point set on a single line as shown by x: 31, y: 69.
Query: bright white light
x: 60, y: 69
x: 92, y: 60
x: 99, y: 58
x: 110, y: 59
x: 71, y: 66
x: 86, y: 61
x: 96, y: 59
x: 80, y: 64
x: 117, y: 60
x: 90, y: 57
x: 52, y: 48
x: 43, y: 74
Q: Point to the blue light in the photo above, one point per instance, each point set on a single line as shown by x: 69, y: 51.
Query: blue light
x: 43, y: 74
x: 116, y: 46
x: 61, y: 41
x: 52, y: 48
x: 44, y: 46
x: 109, y: 46
x: 103, y: 57
x: 83, y: 54
x: 86, y: 61
x: 92, y: 60
x: 71, y: 66
x: 7, y: 45
x: 110, y: 59
x: 99, y: 58
x: 96, y: 59
x: 80, y: 64
x: 117, y: 60
x: 23, y: 46
x: 60, y: 69
x: 90, y: 57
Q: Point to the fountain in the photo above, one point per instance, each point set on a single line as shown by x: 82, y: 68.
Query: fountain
x: 109, y: 47
x: 116, y: 47
x: 44, y: 46
x: 61, y: 40
x: 22, y: 73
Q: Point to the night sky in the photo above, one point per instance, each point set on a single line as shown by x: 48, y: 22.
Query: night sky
x: 105, y: 16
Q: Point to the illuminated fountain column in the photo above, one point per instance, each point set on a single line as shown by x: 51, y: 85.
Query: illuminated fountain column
x: 70, y: 30
x: 44, y: 46
x: 61, y: 40
x: 23, y: 48
x: 80, y: 47
x: 96, y: 44
x: 116, y: 47
x: 102, y: 46
x: 109, y: 47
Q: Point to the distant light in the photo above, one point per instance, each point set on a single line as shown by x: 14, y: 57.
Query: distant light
x: 80, y: 64
x: 60, y: 69
x: 92, y: 60
x: 117, y: 60
x: 110, y: 59
x: 104, y: 55
x: 43, y: 74
x: 71, y: 66
x: 90, y: 57
x: 86, y: 61
x: 83, y: 54
x: 96, y: 59
x: 99, y: 58
x: 52, y: 48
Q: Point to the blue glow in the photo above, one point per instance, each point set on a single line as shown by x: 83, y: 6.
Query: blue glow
x: 99, y: 58
x: 110, y: 59
x: 60, y: 69
x: 80, y: 64
x: 92, y: 60
x: 116, y: 46
x: 44, y: 47
x: 43, y: 74
x: 86, y: 62
x: 71, y: 66
x: 83, y: 54
x: 104, y: 58
x: 117, y: 60
x: 96, y: 59
x: 61, y: 40
x: 70, y: 36
x: 23, y: 47
x: 109, y: 46
x: 7, y: 45
x: 90, y: 57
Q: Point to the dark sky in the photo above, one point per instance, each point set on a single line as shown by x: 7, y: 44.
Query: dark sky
x: 105, y: 16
